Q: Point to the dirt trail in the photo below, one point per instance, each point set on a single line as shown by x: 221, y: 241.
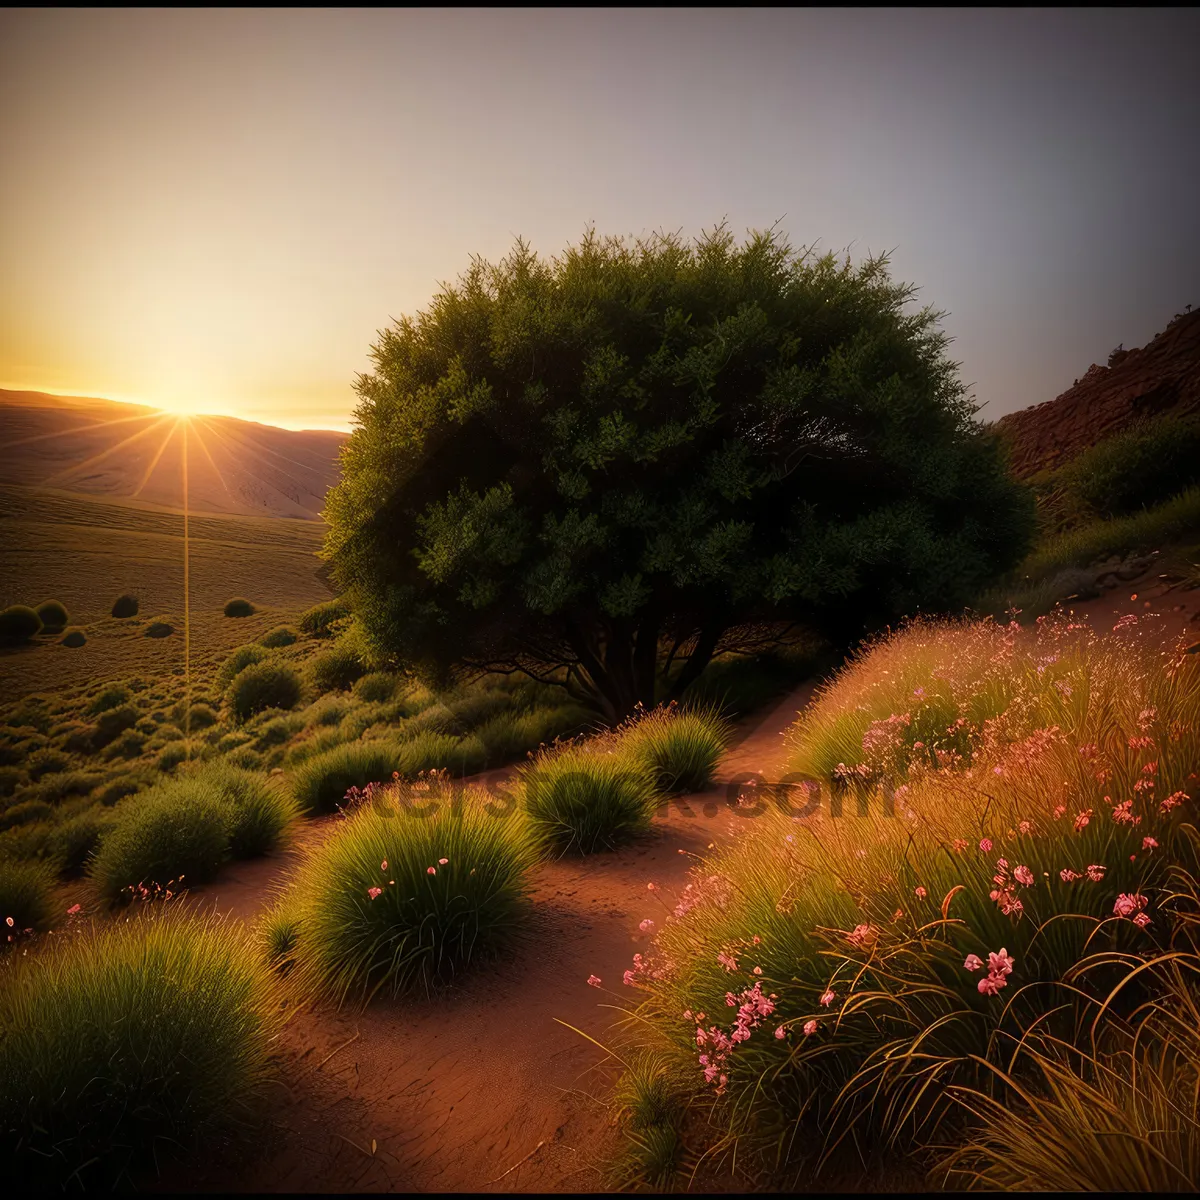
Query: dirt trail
x: 481, y: 1089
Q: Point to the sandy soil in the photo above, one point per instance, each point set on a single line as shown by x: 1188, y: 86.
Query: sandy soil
x: 486, y: 1088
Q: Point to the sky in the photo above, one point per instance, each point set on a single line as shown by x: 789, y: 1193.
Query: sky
x: 216, y: 211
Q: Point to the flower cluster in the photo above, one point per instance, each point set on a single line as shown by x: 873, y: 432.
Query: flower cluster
x: 999, y: 965
x: 716, y: 1046
x: 1129, y: 907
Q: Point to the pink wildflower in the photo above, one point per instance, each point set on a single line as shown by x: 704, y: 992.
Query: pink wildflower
x: 973, y: 962
x: 1082, y: 819
x: 986, y: 845
x: 1173, y: 800
x: 373, y: 892
x: 810, y: 1027
x: 1129, y: 903
x: 629, y: 979
x: 989, y: 985
x: 727, y: 961
x: 593, y: 980
x: 1141, y: 920
x: 1060, y: 811
x: 443, y: 861
x: 1000, y: 962
x: 960, y: 844
x: 920, y: 893
x: 1024, y: 827
x: 827, y: 997
x: 383, y: 865
x: 780, y: 1033
x: 1069, y: 876
x: 1148, y: 843
x: 73, y: 910
x: 646, y: 925
x: 1095, y: 872
x: 431, y: 870
x: 862, y: 935
x: 1023, y: 875
x: 758, y: 970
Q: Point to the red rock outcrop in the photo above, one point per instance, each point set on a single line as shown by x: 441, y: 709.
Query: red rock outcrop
x: 1162, y: 378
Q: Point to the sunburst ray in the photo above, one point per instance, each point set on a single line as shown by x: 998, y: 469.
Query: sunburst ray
x: 95, y: 458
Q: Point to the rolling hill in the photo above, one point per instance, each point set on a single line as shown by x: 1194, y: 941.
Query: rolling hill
x: 128, y: 452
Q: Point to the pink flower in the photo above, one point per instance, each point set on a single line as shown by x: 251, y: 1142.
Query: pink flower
x: 989, y: 985
x: 1069, y: 876
x: 73, y: 910
x: 383, y: 865
x: 443, y: 861
x: 1095, y: 872
x: 1129, y: 903
x: 373, y: 892
x: 431, y: 870
x: 1082, y: 819
x: 1148, y: 843
x: 1141, y: 920
x: 593, y: 980
x: 1024, y: 827
x: 780, y: 1033
x: 810, y: 1027
x: 960, y: 844
x: 727, y: 961
x: 827, y: 997
x: 1173, y: 800
x: 629, y: 979
x: 1000, y: 963
x: 986, y: 845
x: 862, y: 935
x: 920, y: 893
x: 1060, y: 811
x: 646, y: 925
x: 972, y: 962
x: 758, y: 970
x: 1023, y: 875
x: 9, y: 922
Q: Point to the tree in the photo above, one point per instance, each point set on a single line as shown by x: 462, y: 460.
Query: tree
x: 596, y: 468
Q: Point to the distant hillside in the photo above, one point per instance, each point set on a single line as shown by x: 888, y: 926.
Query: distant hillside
x: 1161, y: 378
x: 119, y: 451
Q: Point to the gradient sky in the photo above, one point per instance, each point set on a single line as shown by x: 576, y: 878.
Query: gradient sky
x: 217, y: 210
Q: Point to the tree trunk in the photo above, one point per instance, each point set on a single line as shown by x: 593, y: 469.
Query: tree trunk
x: 697, y: 660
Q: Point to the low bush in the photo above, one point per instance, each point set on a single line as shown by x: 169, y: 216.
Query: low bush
x: 127, y: 1037
x: 74, y: 841
x: 18, y: 623
x: 390, y: 902
x: 129, y: 745
x: 328, y: 710
x: 56, y: 787
x: 159, y: 629
x: 581, y: 798
x: 737, y: 685
x: 53, y: 616
x: 321, y: 619
x: 274, y: 732
x: 112, y: 723
x: 238, y: 661
x: 262, y: 811
x: 171, y: 756
x: 376, y: 687
x: 281, y: 635
x: 239, y: 607
x: 26, y: 900
x: 200, y: 716
x: 510, y: 736
x: 46, y: 762
x: 25, y: 812
x: 261, y: 686
x: 173, y: 836
x: 125, y: 606
x: 336, y: 669
x: 74, y: 639
x: 680, y: 749
x: 321, y: 782
x: 112, y: 696
x: 124, y: 785
x: 11, y: 778
x: 439, y: 752
x: 279, y: 932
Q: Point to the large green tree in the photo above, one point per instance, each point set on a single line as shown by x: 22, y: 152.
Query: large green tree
x: 603, y: 467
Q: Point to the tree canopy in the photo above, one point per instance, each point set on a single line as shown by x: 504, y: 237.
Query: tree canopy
x: 604, y: 467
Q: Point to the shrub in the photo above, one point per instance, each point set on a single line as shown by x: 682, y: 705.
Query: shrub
x: 681, y: 750
x: 320, y: 784
x: 200, y: 716
x: 125, y: 1036
x: 279, y: 932
x: 262, y: 811
x: 245, y: 757
x: 738, y: 685
x: 125, y: 605
x: 11, y: 778
x: 376, y: 687
x: 46, y: 762
x: 124, y: 785
x: 62, y: 784
x: 75, y: 638
x: 112, y: 696
x: 437, y: 752
x: 239, y: 607
x: 177, y: 833
x: 25, y: 813
x: 337, y: 668
x: 584, y: 798
x: 328, y: 710
x: 320, y: 620
x: 391, y: 903
x: 112, y: 723
x: 75, y: 841
x: 18, y: 623
x: 281, y: 635
x: 53, y: 616
x: 263, y: 685
x: 274, y: 733
x: 237, y: 662
x: 27, y: 896
x: 171, y: 755
x: 159, y: 629
x: 510, y: 736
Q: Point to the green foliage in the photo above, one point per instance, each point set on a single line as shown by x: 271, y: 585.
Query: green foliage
x: 45, y: 762
x: 1139, y: 468
x: 321, y: 619
x: 238, y: 661
x: 112, y: 696
x: 261, y: 686
x: 632, y: 443
x: 18, y: 623
x: 124, y: 785
x: 26, y: 812
x: 125, y: 605
x: 437, y: 752
x: 74, y: 841
x: 321, y: 782
x: 11, y: 778
x: 580, y: 799
x: 741, y: 684
x: 113, y: 722
x: 53, y: 616
x: 511, y: 735
x: 262, y: 810
x: 376, y: 687
x: 239, y: 607
x: 337, y: 668
x: 129, y: 745
x: 281, y: 635
x: 328, y: 710
x: 279, y: 933
x: 171, y: 755
x: 27, y: 896
x: 201, y: 716
x: 75, y: 638
x: 173, y: 836
x: 681, y: 750
x: 61, y: 784
x: 127, y: 1036
x: 459, y: 894
x: 159, y: 629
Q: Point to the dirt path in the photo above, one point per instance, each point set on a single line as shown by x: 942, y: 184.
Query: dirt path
x: 482, y: 1089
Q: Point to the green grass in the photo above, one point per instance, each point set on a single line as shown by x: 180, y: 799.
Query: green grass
x: 430, y: 919
x: 262, y: 810
x: 584, y: 798
x: 125, y: 1039
x: 681, y: 750
x: 261, y: 686
x: 26, y: 897
x: 320, y: 783
x: 238, y: 661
